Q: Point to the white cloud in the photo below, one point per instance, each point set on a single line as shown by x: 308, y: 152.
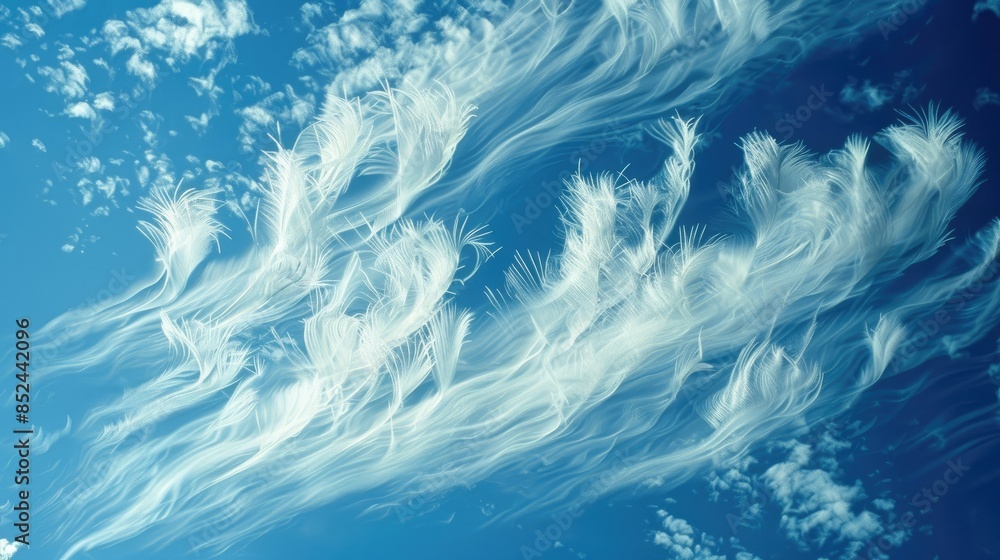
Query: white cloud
x: 10, y: 41
x: 155, y: 170
x: 69, y: 79
x: 200, y: 123
x: 35, y: 29
x: 309, y: 11
x: 141, y: 68
x: 90, y: 165
x: 149, y: 123
x: 39, y: 145
x: 382, y: 41
x: 678, y: 537
x: 814, y: 506
x: 104, y: 102
x: 7, y: 549
x: 101, y: 63
x: 883, y: 504
x: 870, y: 97
x: 984, y: 97
x: 263, y: 117
x: 44, y: 440
x: 816, y: 509
x: 992, y: 6
x: 206, y: 86
x: 65, y: 52
x: 116, y: 33
x: 178, y: 30
x: 86, y: 188
x: 185, y: 28
x: 4, y: 139
x: 109, y: 186
x: 61, y: 7
x: 142, y: 174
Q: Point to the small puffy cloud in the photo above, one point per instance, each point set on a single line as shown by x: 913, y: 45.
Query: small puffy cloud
x: 79, y: 241
x: 883, y: 504
x: 4, y: 139
x: 818, y: 512
x: 10, y: 41
x: 185, y: 29
x: 379, y: 41
x: 869, y: 97
x: 678, y: 537
x: 86, y: 189
x: 69, y: 79
x: 38, y: 145
x: 90, y: 165
x: 65, y: 52
x: 81, y: 110
x: 155, y: 170
x: 814, y: 506
x: 263, y: 117
x: 116, y: 33
x: 206, y: 86
x: 104, y: 102
x: 310, y: 11
x: 149, y: 122
x: 992, y: 6
x: 178, y: 30
x: 61, y: 7
x: 43, y: 440
x: 35, y: 29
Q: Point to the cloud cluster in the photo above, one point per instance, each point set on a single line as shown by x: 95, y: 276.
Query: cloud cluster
x: 69, y: 79
x: 868, y: 97
x: 7, y: 549
x: 381, y: 41
x: 176, y: 31
x: 815, y: 508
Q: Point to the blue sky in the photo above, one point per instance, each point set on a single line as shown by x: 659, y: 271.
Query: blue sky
x: 107, y: 107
